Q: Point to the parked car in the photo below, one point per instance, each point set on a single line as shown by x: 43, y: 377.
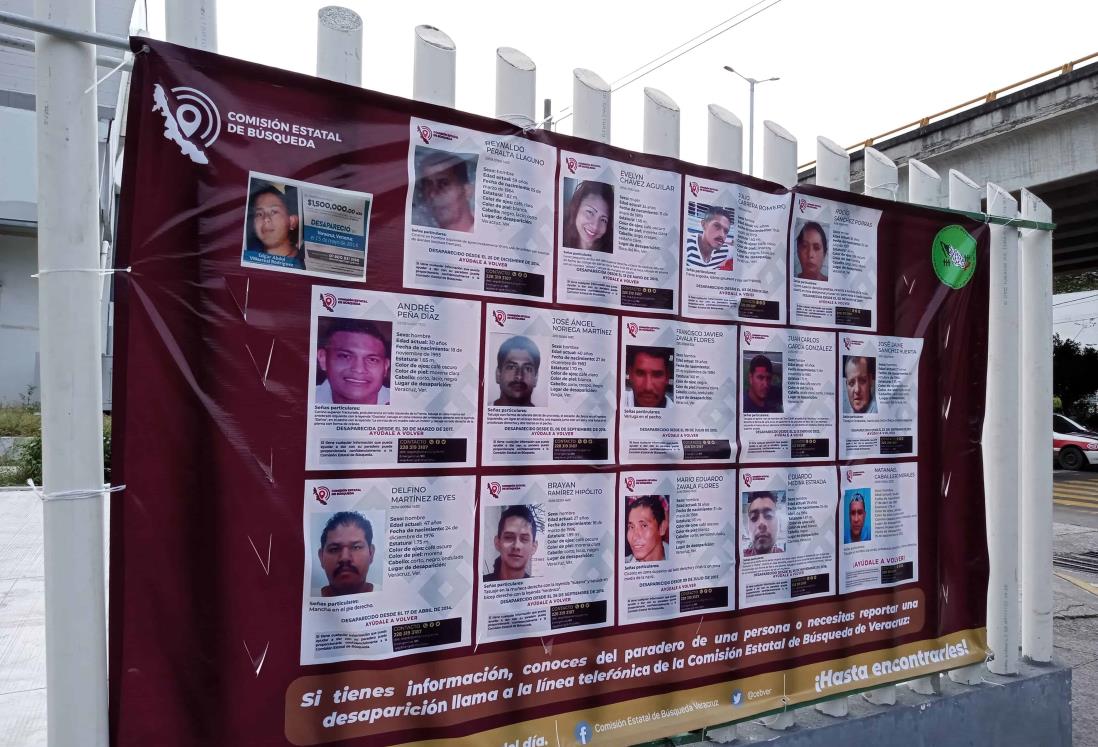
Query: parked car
x: 1073, y: 445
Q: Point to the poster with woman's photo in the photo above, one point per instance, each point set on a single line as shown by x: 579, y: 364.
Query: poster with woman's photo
x: 295, y: 226
x: 734, y: 252
x: 675, y: 544
x: 833, y: 263
x: 678, y: 394
x: 393, y: 380
x: 549, y: 394
x: 546, y: 555
x: 479, y: 212
x: 787, y: 534
x: 787, y: 396
x: 879, y: 521
x: 388, y: 567
x: 618, y: 234
x: 878, y: 396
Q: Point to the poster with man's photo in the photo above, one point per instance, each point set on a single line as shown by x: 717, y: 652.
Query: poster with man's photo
x: 734, y: 252
x: 388, y: 567
x: 479, y: 212
x: 878, y: 396
x: 618, y: 234
x: 678, y: 393
x: 879, y: 522
x: 310, y: 229
x: 549, y: 390
x: 787, y: 395
x: 675, y: 551
x: 546, y: 556
x: 787, y: 534
x: 833, y: 264
x: 393, y: 380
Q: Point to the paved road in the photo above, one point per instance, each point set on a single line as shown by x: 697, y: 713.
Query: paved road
x: 1075, y: 497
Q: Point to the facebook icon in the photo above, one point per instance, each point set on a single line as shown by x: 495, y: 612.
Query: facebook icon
x: 583, y: 733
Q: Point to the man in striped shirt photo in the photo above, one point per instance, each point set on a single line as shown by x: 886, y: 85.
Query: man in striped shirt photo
x: 708, y: 249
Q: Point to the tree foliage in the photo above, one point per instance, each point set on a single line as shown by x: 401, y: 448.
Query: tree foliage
x: 1075, y: 282
x: 1074, y: 373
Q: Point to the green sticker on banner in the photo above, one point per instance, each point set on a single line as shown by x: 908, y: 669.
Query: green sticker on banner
x: 953, y: 254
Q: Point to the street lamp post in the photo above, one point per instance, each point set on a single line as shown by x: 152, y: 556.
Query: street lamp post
x: 750, y: 117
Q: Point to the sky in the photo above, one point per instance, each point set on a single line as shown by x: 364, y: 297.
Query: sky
x: 849, y: 69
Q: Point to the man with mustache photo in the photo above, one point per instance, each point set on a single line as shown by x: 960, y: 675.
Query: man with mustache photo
x: 517, y: 364
x: 346, y: 552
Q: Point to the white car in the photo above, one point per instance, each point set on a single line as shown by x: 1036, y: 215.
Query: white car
x: 1073, y: 445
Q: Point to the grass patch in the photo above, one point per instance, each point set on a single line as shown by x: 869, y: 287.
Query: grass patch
x: 27, y: 461
x: 16, y: 420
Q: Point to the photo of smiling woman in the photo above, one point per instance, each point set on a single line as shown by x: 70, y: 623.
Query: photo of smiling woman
x: 647, y: 528
x: 589, y: 219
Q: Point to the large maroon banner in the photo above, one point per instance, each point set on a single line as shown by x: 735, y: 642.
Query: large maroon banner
x: 433, y: 429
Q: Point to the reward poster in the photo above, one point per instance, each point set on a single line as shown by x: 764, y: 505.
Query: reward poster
x: 472, y: 435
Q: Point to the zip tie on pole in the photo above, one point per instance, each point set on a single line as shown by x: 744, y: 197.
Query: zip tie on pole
x: 73, y: 495
x: 96, y: 270
x: 114, y: 70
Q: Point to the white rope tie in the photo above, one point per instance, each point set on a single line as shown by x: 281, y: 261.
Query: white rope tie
x: 73, y: 495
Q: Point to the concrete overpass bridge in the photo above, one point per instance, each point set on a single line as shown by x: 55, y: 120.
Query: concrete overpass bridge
x: 1040, y: 134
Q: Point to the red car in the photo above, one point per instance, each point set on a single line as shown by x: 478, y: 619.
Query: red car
x: 1073, y: 445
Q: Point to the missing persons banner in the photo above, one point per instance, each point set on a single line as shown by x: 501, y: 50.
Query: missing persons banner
x: 437, y: 431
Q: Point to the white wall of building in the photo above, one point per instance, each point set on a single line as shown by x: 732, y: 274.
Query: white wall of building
x: 18, y: 317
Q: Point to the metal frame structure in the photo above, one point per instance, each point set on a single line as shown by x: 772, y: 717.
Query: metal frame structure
x: 1017, y: 429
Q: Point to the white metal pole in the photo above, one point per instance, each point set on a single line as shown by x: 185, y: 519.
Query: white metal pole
x: 434, y: 70
x: 881, y: 176
x: 924, y: 186
x: 72, y: 417
x: 515, y: 87
x: 661, y: 124
x: 965, y: 194
x: 192, y: 23
x: 832, y: 165
x: 725, y: 139
x: 751, y: 130
x: 881, y: 180
x: 590, y: 106
x: 1000, y: 441
x: 1036, y: 521
x: 339, y: 45
x: 779, y: 154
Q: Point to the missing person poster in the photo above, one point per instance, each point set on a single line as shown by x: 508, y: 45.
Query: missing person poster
x: 675, y: 544
x: 879, y: 396
x: 618, y: 234
x: 833, y: 262
x: 787, y: 534
x: 678, y: 393
x: 787, y: 395
x: 388, y: 567
x: 734, y: 252
x: 295, y: 226
x: 549, y: 394
x: 392, y: 380
x: 547, y: 555
x: 479, y: 212
x: 292, y: 399
x: 879, y: 521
